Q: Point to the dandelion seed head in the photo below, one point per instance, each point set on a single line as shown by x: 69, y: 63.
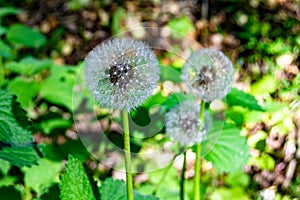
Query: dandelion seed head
x: 121, y: 73
x: 182, y: 123
x: 208, y: 74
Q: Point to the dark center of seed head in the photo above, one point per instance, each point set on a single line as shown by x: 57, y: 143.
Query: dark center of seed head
x: 188, y: 123
x: 206, y: 75
x: 120, y: 73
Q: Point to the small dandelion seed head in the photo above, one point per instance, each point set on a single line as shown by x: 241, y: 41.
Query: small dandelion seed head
x: 182, y: 123
x: 208, y: 73
x: 121, y: 73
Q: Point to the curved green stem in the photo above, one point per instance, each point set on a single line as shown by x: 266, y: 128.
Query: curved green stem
x: 126, y: 137
x: 182, y: 177
x: 198, y: 160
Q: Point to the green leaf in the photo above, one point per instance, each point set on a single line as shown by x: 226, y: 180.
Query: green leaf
x: 238, y: 179
x: 239, y: 98
x: 267, y: 84
x: 116, y: 189
x: 225, y: 147
x: 75, y: 183
x: 168, y: 73
x: 16, y: 141
x: 28, y: 66
x: 2, y: 30
x: 175, y: 99
x: 229, y: 193
x: 4, y: 11
x: 5, y: 50
x: 25, y: 90
x: 26, y: 36
x: 181, y: 27
x: 42, y: 176
x: 58, y: 87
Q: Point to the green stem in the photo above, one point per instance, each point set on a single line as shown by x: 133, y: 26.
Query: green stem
x: 182, y: 177
x: 198, y: 160
x: 162, y: 178
x: 127, y: 156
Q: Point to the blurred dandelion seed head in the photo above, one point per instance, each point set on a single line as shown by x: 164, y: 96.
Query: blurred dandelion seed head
x: 121, y: 73
x: 208, y: 74
x: 182, y: 123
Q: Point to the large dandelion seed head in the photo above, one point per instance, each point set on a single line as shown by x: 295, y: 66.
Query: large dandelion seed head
x: 182, y: 123
x: 121, y: 73
x: 208, y: 74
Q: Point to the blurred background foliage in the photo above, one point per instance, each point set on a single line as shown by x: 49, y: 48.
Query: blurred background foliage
x: 43, y: 44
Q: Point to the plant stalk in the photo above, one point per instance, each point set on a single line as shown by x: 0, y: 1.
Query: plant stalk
x: 183, y: 177
x: 126, y: 137
x: 197, y: 187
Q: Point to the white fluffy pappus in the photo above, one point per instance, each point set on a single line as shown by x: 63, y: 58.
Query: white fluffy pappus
x: 182, y: 123
x: 208, y: 74
x: 121, y: 73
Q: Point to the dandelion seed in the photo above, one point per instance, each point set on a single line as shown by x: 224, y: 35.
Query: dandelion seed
x: 121, y: 73
x: 208, y: 74
x: 182, y: 123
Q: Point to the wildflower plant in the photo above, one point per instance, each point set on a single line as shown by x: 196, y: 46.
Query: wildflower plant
x: 208, y: 73
x: 121, y: 74
x: 182, y: 123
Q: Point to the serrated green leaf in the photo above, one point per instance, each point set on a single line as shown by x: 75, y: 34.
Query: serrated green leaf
x: 24, y: 35
x: 58, y: 87
x: 16, y: 141
x: 239, y: 98
x: 225, y: 147
x: 42, y: 176
x: 116, y: 189
x: 75, y: 183
x: 25, y: 90
x: 28, y: 66
x: 168, y: 73
x: 4, y: 11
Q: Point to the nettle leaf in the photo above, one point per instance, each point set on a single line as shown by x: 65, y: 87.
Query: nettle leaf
x: 28, y: 66
x: 239, y: 98
x: 225, y: 147
x: 116, y: 189
x: 26, y: 36
x: 42, y: 176
x: 58, y: 87
x: 16, y: 141
x: 75, y: 183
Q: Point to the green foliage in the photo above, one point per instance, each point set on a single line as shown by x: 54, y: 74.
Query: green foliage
x: 41, y: 177
x: 9, y: 193
x: 170, y: 74
x: 23, y: 35
x: 28, y: 66
x: 4, y: 11
x: 116, y: 189
x: 16, y: 144
x: 25, y: 90
x: 5, y: 50
x: 225, y: 147
x: 181, y: 27
x: 58, y: 87
x: 75, y: 183
x: 232, y: 193
x: 239, y: 98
